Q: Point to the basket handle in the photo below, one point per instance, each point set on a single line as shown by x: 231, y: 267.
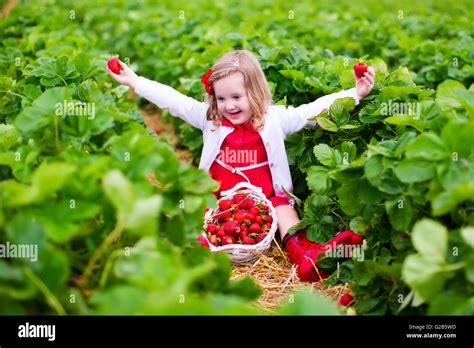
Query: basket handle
x: 241, y: 185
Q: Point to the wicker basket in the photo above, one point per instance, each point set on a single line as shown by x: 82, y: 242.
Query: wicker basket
x: 240, y: 253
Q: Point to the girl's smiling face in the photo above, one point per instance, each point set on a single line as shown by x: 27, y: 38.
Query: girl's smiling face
x: 232, y: 99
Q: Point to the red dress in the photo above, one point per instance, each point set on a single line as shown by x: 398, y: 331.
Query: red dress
x: 241, y: 148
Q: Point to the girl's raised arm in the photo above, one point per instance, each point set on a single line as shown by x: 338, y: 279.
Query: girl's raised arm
x: 294, y: 119
x: 165, y: 97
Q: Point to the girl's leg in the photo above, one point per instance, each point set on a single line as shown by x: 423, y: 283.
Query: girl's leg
x: 302, y: 251
x: 287, y: 217
x: 299, y: 249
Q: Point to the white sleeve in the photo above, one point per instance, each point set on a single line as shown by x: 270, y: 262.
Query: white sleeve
x: 179, y: 105
x: 294, y: 119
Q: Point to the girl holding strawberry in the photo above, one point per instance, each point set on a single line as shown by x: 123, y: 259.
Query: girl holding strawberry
x: 238, y: 118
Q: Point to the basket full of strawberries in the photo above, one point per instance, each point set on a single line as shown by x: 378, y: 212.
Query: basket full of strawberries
x: 243, y: 224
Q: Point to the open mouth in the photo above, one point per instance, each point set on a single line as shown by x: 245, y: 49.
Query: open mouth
x: 234, y: 114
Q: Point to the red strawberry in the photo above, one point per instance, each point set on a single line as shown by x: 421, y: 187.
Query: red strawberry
x: 345, y: 300
x: 254, y: 210
x: 255, y: 228
x: 240, y: 216
x: 228, y: 240
x: 248, y: 204
x: 249, y: 218
x: 265, y: 228
x: 231, y: 227
x: 114, y: 65
x: 259, y: 220
x: 263, y: 206
x: 260, y: 237
x: 213, y: 240
x: 248, y: 241
x: 360, y: 69
x: 211, y: 228
x: 244, y: 228
x: 268, y: 219
x: 223, y: 216
x: 225, y: 204
x: 239, y: 198
x: 203, y: 241
x: 220, y: 235
x: 242, y: 234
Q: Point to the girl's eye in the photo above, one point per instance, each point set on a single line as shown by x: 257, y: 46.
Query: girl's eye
x: 236, y: 97
x: 220, y: 99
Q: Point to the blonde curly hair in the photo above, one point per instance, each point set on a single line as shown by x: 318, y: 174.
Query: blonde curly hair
x: 256, y: 85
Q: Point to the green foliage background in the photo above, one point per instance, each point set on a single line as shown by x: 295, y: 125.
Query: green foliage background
x: 110, y: 243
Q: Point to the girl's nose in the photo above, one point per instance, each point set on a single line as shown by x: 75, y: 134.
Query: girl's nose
x: 230, y: 107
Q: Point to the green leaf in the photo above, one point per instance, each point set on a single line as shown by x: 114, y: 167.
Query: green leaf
x: 363, y: 273
x: 366, y: 306
x: 308, y: 303
x: 403, y: 141
x: 365, y: 193
x: 326, y: 155
x: 447, y: 95
x: 358, y: 225
x: 373, y: 169
x: 316, y: 206
x: 137, y: 215
x: 350, y: 126
x: 191, y: 203
x: 82, y: 63
x: 411, y: 171
x: 423, y: 275
x: 451, y: 304
x: 53, y: 268
x: 349, y: 151
x: 406, y: 120
x: 47, y: 179
x: 429, y: 110
x: 467, y: 233
x: 427, y: 146
x: 400, y: 213
x: 43, y: 110
x: 244, y: 287
x: 292, y: 74
x: 8, y: 136
x: 459, y: 137
x: 13, y: 283
x: 384, y: 148
x: 143, y: 218
x: 327, y: 124
x: 339, y: 110
x: 318, y: 179
x: 32, y: 91
x: 448, y: 200
x: 430, y: 239
x: 119, y: 191
x: 25, y: 229
x: 469, y: 268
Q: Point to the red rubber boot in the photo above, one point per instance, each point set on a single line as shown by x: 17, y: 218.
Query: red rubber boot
x: 304, y: 253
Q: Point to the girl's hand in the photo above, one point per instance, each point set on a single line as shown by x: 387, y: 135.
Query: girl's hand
x: 127, y: 76
x: 365, y: 83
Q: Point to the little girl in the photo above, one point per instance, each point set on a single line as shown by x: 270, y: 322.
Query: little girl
x: 244, y: 138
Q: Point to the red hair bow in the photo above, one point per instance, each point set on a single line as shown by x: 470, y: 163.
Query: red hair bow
x: 205, y: 80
